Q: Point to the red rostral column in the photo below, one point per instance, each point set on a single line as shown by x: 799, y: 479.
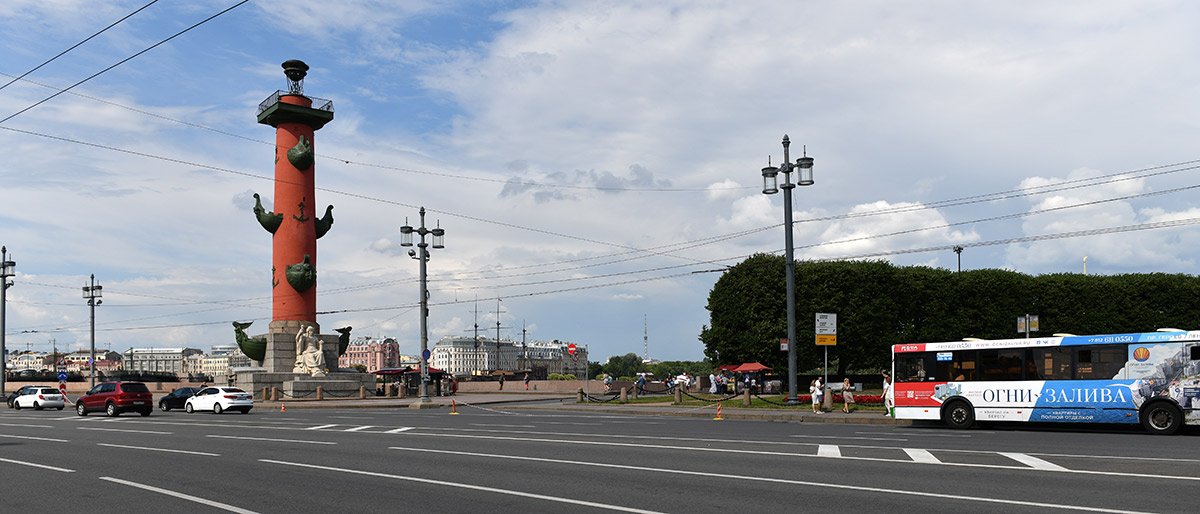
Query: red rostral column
x: 295, y: 223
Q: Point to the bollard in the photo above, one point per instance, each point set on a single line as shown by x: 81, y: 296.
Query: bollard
x: 635, y: 393
x: 746, y: 398
x: 362, y: 392
x: 320, y: 393
x: 678, y: 396
x: 274, y: 394
x: 266, y: 394
x: 579, y: 396
x: 624, y: 395
x: 827, y: 402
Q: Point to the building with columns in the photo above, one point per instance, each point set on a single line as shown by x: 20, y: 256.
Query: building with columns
x: 372, y: 353
x: 462, y: 356
x: 161, y: 360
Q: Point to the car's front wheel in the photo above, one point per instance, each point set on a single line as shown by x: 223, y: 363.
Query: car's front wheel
x: 187, y: 407
x: 162, y: 406
x: 16, y: 405
x: 80, y: 409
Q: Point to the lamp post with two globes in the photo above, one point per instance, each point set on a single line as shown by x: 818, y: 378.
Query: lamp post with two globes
x: 422, y: 256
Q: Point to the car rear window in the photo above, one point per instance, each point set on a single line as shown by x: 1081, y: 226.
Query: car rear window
x: 233, y: 390
x: 48, y: 391
x: 136, y: 387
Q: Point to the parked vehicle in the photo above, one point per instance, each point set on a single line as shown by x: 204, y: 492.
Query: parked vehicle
x: 113, y: 398
x: 176, y: 398
x: 39, y: 398
x: 23, y: 390
x: 220, y: 399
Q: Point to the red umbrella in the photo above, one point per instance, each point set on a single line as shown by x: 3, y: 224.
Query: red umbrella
x: 750, y: 367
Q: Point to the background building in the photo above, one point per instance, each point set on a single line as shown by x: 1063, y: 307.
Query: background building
x: 161, y: 360
x: 462, y: 356
x: 373, y: 354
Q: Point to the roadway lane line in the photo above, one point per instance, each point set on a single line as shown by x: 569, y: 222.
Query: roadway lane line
x: 605, y: 506
x: 202, y: 501
x: 501, y: 426
x: 206, y: 454
x: 829, y: 450
x: 398, y: 430
x: 25, y: 426
x: 821, y: 485
x: 32, y: 438
x: 321, y: 427
x: 351, y: 417
x: 849, y: 437
x: 789, y: 454
x: 1033, y: 462
x: 125, y: 430
x: 918, y: 455
x: 914, y: 433
x: 36, y: 465
x: 269, y: 439
x: 356, y: 429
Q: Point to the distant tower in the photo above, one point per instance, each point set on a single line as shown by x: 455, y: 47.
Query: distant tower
x: 645, y: 340
x: 295, y: 223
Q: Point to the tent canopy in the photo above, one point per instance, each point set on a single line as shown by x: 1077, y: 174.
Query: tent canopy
x: 751, y: 367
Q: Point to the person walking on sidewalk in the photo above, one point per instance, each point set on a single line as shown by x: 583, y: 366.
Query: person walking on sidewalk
x: 888, y: 398
x: 816, y: 388
x: 526, y: 380
x: 847, y: 395
x: 501, y: 381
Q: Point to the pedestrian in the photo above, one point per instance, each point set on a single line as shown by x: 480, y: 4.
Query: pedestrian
x: 501, y: 381
x: 641, y: 384
x: 847, y: 396
x: 712, y: 383
x: 817, y: 394
x: 608, y: 380
x: 526, y: 380
x: 888, y: 398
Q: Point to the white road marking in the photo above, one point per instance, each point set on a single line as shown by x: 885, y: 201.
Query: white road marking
x: 356, y: 429
x: 320, y: 427
x: 125, y: 430
x: 1033, y: 462
x: 501, y: 426
x: 35, y: 438
x: 36, y: 465
x: 398, y: 430
x: 460, y: 485
x: 351, y: 417
x: 269, y: 439
x: 850, y: 437
x: 829, y: 450
x: 918, y: 455
x: 821, y: 485
x: 175, y: 494
x: 25, y: 426
x: 206, y: 454
x: 914, y: 433
x: 788, y: 454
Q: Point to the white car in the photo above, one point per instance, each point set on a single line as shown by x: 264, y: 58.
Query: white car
x: 39, y: 398
x: 220, y: 399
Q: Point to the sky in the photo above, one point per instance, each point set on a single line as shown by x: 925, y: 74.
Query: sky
x: 586, y: 158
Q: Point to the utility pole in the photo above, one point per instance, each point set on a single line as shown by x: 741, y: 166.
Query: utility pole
x: 498, y: 364
x: 645, y: 339
x: 422, y: 256
x: 478, y: 366
x: 92, y: 294
x: 524, y: 351
x: 7, y: 269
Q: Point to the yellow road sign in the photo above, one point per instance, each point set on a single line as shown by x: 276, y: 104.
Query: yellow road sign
x: 826, y: 340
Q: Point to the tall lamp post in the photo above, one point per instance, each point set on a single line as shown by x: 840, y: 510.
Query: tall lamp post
x: 91, y: 293
x: 7, y: 269
x: 804, y: 177
x: 422, y: 256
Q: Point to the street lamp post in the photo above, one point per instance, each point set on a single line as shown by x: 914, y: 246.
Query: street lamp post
x: 92, y: 294
x: 804, y: 177
x: 7, y: 269
x: 958, y: 250
x: 422, y: 256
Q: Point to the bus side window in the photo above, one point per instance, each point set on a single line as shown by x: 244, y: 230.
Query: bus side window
x: 910, y: 367
x: 1052, y: 363
x: 1195, y: 352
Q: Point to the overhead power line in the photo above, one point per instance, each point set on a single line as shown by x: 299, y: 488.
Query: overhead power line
x: 76, y: 45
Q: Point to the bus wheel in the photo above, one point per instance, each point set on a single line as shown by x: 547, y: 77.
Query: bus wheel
x: 1162, y: 418
x: 958, y: 414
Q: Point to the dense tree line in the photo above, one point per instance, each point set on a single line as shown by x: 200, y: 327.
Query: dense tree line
x: 879, y: 304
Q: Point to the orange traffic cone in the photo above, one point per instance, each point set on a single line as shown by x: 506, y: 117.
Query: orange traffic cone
x: 282, y: 408
x: 718, y: 418
x: 453, y: 407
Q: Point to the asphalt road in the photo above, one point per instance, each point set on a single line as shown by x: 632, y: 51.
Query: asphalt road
x: 497, y: 460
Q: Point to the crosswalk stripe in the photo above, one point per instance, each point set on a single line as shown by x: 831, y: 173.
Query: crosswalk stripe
x: 918, y: 455
x: 321, y: 427
x: 356, y: 429
x: 829, y: 450
x: 1033, y: 462
x: 398, y: 430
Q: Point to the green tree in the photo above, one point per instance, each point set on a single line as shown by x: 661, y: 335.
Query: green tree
x: 623, y: 365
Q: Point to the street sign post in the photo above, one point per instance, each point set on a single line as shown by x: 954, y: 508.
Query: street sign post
x: 826, y: 336
x: 62, y: 376
x: 571, y: 349
x: 1027, y: 323
x: 783, y: 344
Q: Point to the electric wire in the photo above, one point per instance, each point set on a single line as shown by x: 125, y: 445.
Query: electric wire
x: 76, y: 45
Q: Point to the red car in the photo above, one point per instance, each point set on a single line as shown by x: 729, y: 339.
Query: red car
x: 116, y: 397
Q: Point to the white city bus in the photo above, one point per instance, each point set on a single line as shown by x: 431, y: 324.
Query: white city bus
x: 1148, y: 378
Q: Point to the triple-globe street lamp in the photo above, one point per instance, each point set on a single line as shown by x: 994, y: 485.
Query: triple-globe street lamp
x: 804, y: 177
x: 422, y: 256
x: 92, y: 294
